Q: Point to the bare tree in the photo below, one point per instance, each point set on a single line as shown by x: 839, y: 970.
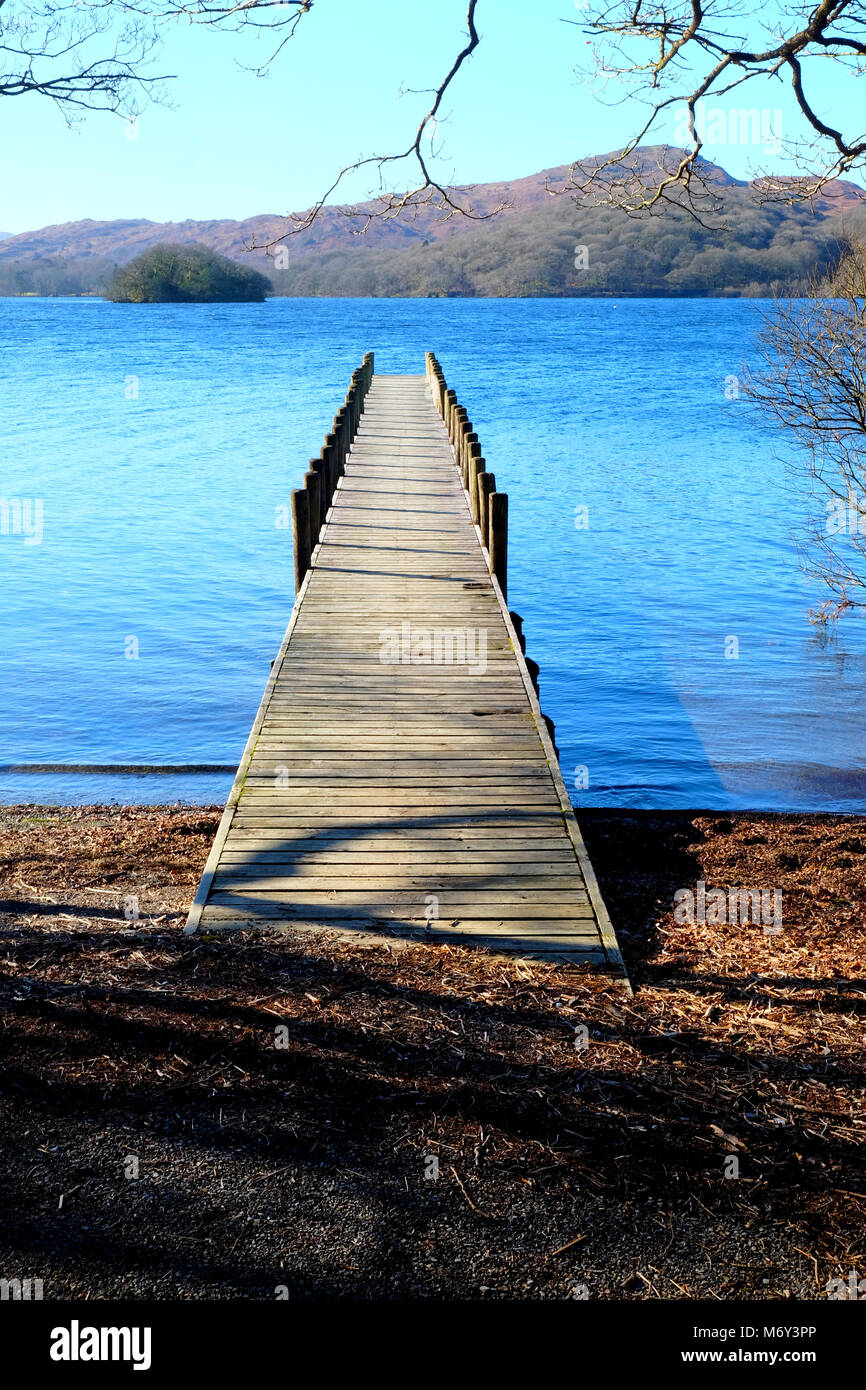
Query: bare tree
x: 99, y: 54
x: 672, y: 55
x: 668, y: 55
x: 425, y: 189
x: 96, y: 54
x: 80, y: 55
x: 812, y: 382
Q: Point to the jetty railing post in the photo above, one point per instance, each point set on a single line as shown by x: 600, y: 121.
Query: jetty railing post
x: 474, y: 452
x: 437, y: 380
x: 311, y: 503
x: 320, y: 468
x: 301, y: 534
x: 464, y: 429
x: 329, y: 454
x: 476, y: 467
x: 468, y: 440
x: 352, y: 410
x: 436, y: 377
x: 499, y: 539
x: 340, y: 429
x: 312, y: 485
x: 486, y: 485
x: 458, y: 426
x: 358, y: 386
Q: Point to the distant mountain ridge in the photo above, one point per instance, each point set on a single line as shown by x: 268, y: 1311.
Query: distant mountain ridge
x: 120, y: 240
x: 124, y: 238
x: 530, y: 249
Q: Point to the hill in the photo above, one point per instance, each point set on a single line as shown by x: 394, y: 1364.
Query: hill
x: 529, y: 249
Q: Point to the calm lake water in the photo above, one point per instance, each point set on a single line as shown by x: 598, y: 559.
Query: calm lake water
x: 162, y: 440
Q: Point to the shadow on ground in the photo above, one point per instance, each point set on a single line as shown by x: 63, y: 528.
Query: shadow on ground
x: 231, y: 1116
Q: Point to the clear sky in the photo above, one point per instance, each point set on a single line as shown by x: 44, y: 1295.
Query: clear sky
x: 233, y: 144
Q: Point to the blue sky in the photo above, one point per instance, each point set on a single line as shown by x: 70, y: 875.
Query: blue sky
x: 233, y: 144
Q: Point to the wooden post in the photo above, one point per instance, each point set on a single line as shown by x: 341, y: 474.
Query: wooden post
x: 301, y: 534
x: 450, y: 407
x: 486, y: 485
x: 358, y: 386
x: 369, y: 368
x: 329, y: 454
x: 499, y: 539
x: 464, y: 429
x: 477, y: 466
x: 312, y: 485
x: 468, y: 440
x: 320, y: 468
x: 474, y: 452
x: 341, y: 429
x: 441, y: 386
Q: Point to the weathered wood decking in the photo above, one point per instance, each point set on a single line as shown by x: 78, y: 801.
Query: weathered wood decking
x: 380, y: 793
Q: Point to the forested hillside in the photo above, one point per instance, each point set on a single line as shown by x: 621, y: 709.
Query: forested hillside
x: 542, y: 244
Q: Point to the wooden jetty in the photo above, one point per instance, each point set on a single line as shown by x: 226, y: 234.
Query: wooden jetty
x: 400, y: 776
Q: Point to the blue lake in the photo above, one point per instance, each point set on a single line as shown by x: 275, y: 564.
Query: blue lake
x: 163, y: 440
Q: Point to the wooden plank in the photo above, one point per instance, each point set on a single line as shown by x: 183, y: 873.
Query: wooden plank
x: 486, y: 854
x: 534, y: 890
x: 412, y: 909
x: 225, y: 909
x: 393, y: 837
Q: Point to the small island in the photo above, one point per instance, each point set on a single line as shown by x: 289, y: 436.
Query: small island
x: 174, y: 274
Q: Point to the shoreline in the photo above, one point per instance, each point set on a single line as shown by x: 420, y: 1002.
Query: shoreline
x: 306, y: 1166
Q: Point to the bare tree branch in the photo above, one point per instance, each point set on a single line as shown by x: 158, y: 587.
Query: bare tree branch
x: 427, y: 191
x: 674, y: 54
x: 669, y: 55
x: 79, y: 55
x: 812, y: 383
x: 97, y: 54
